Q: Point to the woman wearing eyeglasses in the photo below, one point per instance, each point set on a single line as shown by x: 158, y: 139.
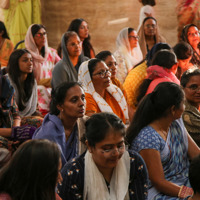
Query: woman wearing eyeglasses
x: 101, y: 95
x: 44, y: 59
x: 128, y: 52
x: 190, y: 34
x: 149, y: 35
x: 190, y: 81
x: 67, y: 68
x: 106, y: 170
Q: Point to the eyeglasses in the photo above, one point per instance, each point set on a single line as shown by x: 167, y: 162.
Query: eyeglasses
x: 102, y: 74
x: 194, y: 87
x: 120, y: 149
x: 193, y: 34
x: 41, y: 34
x: 74, y: 44
x: 134, y: 37
x: 151, y: 26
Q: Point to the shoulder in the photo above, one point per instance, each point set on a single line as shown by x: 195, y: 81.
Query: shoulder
x: 147, y: 138
x: 5, y: 196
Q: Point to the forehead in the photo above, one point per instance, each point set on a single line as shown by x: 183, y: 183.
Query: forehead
x: 192, y: 29
x: 149, y: 21
x: 100, y: 66
x: 194, y: 79
x: 73, y: 38
x: 133, y: 33
x: 112, y: 137
x: 74, y: 91
x: 42, y: 30
x: 83, y: 23
x: 110, y: 59
x: 26, y: 55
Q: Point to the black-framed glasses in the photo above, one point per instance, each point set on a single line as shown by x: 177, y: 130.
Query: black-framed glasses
x: 134, y: 37
x: 41, y: 34
x: 102, y: 74
x: 151, y: 26
x: 194, y: 87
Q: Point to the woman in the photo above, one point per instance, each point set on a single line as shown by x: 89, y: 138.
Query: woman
x: 100, y: 94
x: 190, y: 34
x: 157, y: 132
x: 20, y: 71
x: 26, y: 176
x: 184, y: 54
x: 146, y: 10
x: 44, y: 59
x: 6, y: 46
x: 111, y: 62
x: 67, y: 68
x: 190, y: 81
x: 106, y: 170
x: 137, y: 75
x: 149, y: 35
x: 128, y: 52
x: 163, y: 69
x: 64, y: 124
x: 80, y: 26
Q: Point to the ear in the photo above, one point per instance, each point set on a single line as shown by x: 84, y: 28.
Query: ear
x: 173, y: 110
x: 59, y: 107
x: 88, y: 146
x: 174, y: 68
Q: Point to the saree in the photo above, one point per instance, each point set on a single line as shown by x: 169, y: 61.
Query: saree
x: 126, y: 58
x: 19, y: 16
x: 173, y: 154
x: 5, y: 52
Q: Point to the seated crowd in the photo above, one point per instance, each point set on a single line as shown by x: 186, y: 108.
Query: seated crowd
x: 119, y: 126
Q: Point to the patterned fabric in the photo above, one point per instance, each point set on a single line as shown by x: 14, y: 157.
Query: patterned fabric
x: 85, y: 79
x: 191, y: 118
x: 44, y: 93
x: 8, y: 107
x: 126, y: 57
x: 133, y: 81
x: 5, y: 51
x: 173, y: 153
x: 73, y: 179
x: 158, y: 75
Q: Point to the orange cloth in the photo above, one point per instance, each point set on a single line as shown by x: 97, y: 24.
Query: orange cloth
x: 5, y: 51
x: 92, y: 105
x: 116, y: 82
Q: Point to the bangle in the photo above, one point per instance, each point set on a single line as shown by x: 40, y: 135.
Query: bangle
x: 185, y: 191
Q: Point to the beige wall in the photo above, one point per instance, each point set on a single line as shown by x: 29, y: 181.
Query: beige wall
x: 56, y: 16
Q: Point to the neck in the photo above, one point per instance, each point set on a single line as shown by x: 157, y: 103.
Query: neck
x: 106, y: 172
x: 162, y: 124
x: 100, y: 91
x: 149, y: 38
x: 195, y: 197
x: 23, y: 77
x: 196, y: 105
x: 68, y: 122
x: 74, y: 60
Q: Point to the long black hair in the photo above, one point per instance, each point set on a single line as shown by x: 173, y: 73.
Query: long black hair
x: 154, y: 106
x: 74, y: 26
x: 32, y: 172
x: 164, y: 58
x: 3, y: 28
x: 25, y: 90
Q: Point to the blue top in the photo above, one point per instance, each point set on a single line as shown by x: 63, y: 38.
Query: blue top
x: 173, y: 154
x: 53, y: 129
